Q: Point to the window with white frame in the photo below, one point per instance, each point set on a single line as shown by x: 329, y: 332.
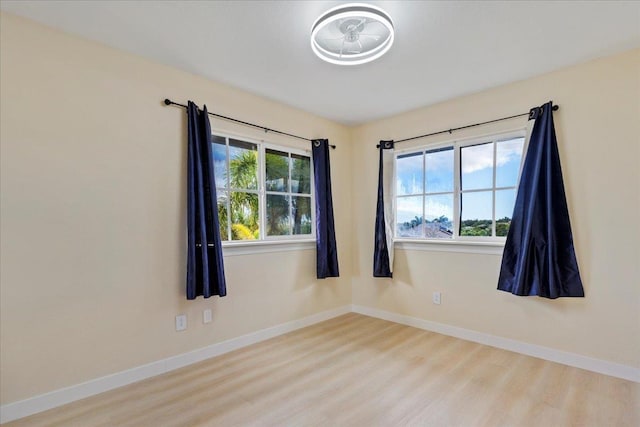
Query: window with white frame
x: 264, y: 191
x: 458, y: 191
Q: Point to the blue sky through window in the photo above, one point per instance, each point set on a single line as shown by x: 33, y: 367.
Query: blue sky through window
x: 439, y: 170
x: 220, y: 161
x: 409, y: 175
x: 477, y: 173
x: 411, y: 180
x: 476, y: 163
x: 508, y: 159
x: 476, y: 170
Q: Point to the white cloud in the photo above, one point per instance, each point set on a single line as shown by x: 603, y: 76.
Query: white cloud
x: 480, y: 157
x: 509, y: 150
x: 440, y: 160
x: 435, y: 209
x: 413, y: 187
x: 409, y: 175
x: 408, y: 208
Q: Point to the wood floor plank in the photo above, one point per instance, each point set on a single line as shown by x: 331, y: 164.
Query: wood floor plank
x: 356, y: 370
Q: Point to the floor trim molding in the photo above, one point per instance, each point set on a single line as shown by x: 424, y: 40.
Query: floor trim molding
x: 43, y: 402
x: 571, y: 359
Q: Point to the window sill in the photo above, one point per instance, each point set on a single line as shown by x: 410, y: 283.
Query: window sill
x: 266, y: 246
x: 487, y: 247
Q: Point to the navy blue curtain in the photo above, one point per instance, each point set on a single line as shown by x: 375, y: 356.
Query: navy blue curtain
x: 381, y: 256
x: 539, y: 257
x: 326, y: 250
x: 205, y: 268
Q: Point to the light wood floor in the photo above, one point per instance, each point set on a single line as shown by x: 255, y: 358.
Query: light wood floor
x: 360, y: 371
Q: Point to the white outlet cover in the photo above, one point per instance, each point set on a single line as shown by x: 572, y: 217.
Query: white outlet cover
x: 206, y: 316
x: 181, y: 322
x: 436, y: 298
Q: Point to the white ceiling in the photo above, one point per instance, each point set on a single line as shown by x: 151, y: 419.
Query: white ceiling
x: 442, y: 49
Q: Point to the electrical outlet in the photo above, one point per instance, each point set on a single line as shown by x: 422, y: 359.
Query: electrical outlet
x: 436, y: 298
x: 181, y: 322
x: 206, y: 316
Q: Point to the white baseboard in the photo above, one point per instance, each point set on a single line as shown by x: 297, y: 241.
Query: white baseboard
x: 43, y: 402
x: 571, y: 359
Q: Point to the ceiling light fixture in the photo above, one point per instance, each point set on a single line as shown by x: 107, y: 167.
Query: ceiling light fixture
x: 352, y: 34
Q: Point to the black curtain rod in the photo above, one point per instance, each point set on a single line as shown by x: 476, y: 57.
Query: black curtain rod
x: 555, y: 108
x: 167, y: 101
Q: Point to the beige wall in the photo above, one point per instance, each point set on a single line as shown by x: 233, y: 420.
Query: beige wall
x: 92, y: 179
x: 92, y: 221
x: 598, y: 128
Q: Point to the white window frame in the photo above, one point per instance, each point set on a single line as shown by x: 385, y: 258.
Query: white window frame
x: 266, y: 243
x: 457, y: 243
x: 264, y: 193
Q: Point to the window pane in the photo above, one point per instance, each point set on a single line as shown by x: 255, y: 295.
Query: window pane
x: 300, y: 174
x: 244, y: 216
x: 476, y: 214
x: 409, y: 175
x: 222, y: 215
x: 243, y: 165
x: 409, y: 216
x: 438, y: 215
x: 220, y: 160
x: 277, y: 165
x: 439, y: 165
x: 476, y: 162
x: 278, y: 223
x: 505, y: 201
x: 301, y: 209
x: 508, y: 158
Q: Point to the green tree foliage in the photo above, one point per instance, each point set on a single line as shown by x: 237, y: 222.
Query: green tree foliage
x: 301, y: 183
x: 302, y: 215
x: 241, y: 232
x: 415, y: 222
x: 470, y: 227
x: 243, y: 212
x: 475, y: 227
x: 245, y: 223
x: 441, y: 220
x: 278, y: 179
x: 502, y: 226
x: 277, y: 171
x: 222, y: 216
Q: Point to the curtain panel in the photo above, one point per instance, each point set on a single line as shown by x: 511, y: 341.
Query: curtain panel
x: 205, y: 267
x: 385, y: 221
x: 539, y: 256
x: 326, y: 249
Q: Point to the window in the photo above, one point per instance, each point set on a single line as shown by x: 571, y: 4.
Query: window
x: 264, y: 192
x: 288, y: 186
x: 458, y: 191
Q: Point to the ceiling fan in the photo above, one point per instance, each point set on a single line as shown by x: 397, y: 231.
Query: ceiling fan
x: 352, y: 34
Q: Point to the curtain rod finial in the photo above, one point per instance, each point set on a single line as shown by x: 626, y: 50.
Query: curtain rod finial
x: 167, y: 101
x: 555, y: 107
